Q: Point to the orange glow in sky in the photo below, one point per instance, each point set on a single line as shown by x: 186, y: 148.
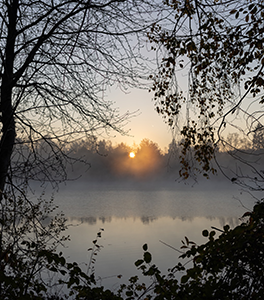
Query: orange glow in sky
x: 132, y: 155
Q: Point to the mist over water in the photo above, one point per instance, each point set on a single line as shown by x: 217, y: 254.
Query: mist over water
x: 136, y: 201
x: 133, y: 214
x: 101, y: 200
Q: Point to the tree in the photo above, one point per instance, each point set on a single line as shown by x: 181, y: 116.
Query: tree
x: 148, y: 159
x: 218, y: 45
x: 57, y: 60
x: 173, y: 155
x: 258, y: 138
x: 235, y: 141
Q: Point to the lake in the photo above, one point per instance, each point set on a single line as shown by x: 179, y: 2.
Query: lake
x: 134, y: 215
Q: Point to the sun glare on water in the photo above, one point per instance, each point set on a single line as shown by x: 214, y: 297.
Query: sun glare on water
x: 132, y: 155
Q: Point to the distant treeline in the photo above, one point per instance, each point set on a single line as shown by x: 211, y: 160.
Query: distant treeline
x: 100, y: 160
x: 107, y: 162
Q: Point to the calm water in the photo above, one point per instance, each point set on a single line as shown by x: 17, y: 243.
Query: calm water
x: 132, y: 216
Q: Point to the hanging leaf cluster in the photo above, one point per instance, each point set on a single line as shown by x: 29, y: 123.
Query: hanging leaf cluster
x: 219, y: 47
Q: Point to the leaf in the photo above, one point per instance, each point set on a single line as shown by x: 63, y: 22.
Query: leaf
x: 254, y: 10
x: 226, y: 227
x: 212, y: 233
x: 63, y: 272
x: 150, y: 272
x: 205, y: 233
x: 147, y: 257
x: 145, y: 247
x: 184, y: 279
x: 184, y: 247
x: 251, y: 6
x: 139, y: 262
x: 53, y: 269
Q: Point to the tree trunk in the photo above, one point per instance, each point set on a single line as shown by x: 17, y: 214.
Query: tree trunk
x: 8, y: 123
x: 7, y: 139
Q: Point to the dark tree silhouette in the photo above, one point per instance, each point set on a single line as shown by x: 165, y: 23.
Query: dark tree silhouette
x: 218, y: 45
x: 57, y: 59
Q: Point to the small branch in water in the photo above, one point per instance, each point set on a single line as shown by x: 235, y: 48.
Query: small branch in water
x: 171, y: 247
x: 217, y: 229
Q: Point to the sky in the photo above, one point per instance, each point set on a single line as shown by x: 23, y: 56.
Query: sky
x: 145, y: 124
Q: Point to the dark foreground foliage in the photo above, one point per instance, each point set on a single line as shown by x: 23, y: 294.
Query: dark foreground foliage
x: 228, y: 266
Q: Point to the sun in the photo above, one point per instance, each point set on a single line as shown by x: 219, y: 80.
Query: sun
x: 132, y: 155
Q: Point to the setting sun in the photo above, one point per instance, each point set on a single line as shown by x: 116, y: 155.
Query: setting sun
x: 132, y: 155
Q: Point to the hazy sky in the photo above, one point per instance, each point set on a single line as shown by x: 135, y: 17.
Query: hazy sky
x: 146, y: 124
x: 149, y: 124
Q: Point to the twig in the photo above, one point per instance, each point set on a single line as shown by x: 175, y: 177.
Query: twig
x: 171, y: 247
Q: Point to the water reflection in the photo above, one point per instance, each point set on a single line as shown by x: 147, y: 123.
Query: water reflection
x: 184, y: 202
x: 122, y: 241
x: 131, y: 218
x: 146, y: 220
